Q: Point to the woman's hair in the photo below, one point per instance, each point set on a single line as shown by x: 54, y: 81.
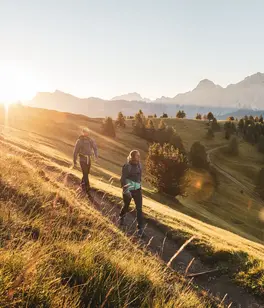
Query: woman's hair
x: 132, y: 155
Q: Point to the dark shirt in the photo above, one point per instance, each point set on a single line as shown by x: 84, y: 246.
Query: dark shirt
x: 131, y: 171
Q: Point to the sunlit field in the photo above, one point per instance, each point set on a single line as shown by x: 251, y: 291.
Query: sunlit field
x: 224, y: 227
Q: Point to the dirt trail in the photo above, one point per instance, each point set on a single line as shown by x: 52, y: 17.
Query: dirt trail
x: 216, y: 284
x: 155, y: 240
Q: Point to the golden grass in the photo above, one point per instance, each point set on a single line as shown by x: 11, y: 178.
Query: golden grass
x: 222, y: 219
x: 68, y: 255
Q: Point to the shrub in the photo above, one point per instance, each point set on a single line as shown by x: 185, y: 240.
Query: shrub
x: 162, y: 125
x: 150, y: 125
x: 120, y: 121
x: 164, y: 115
x: 210, y: 116
x: 198, y: 116
x: 241, y: 126
x: 250, y: 133
x: 108, y: 128
x: 150, y: 130
x: 229, y: 128
x: 215, y: 126
x: 139, y: 128
x: 198, y: 156
x: 233, y: 146
x: 180, y: 114
x: 165, y: 168
x: 176, y: 141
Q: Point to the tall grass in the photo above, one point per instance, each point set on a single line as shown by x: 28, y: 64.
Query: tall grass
x: 68, y: 255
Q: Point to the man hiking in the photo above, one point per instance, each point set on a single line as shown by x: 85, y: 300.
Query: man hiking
x: 85, y: 147
x: 131, y: 184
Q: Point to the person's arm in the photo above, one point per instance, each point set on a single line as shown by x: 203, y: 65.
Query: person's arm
x: 95, y: 149
x: 76, y: 152
x: 124, y: 175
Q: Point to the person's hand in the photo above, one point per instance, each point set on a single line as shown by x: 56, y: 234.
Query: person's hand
x: 96, y: 160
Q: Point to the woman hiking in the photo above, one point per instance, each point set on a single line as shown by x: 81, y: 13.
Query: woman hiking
x: 131, y: 184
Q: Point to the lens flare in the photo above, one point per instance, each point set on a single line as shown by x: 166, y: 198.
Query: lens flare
x: 200, y: 185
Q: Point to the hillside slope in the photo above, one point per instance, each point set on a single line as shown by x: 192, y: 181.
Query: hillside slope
x: 54, y: 139
x: 58, y: 251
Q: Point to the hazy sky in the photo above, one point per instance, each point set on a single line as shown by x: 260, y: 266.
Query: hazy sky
x: 106, y: 48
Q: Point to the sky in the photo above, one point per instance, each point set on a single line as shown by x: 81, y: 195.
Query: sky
x: 104, y: 48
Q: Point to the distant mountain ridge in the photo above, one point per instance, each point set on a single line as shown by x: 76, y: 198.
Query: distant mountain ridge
x: 248, y: 93
x: 245, y: 96
x: 131, y: 97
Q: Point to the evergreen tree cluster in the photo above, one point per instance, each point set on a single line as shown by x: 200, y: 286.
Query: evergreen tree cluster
x: 198, y: 116
x: 108, y: 127
x: 164, y: 115
x: 252, y: 130
x: 229, y: 128
x: 120, y: 121
x: 210, y: 116
x: 181, y: 114
x: 165, y: 168
x: 214, y: 125
x: 198, y: 156
x: 162, y: 134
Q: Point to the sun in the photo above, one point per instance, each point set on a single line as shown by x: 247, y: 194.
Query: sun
x: 17, y: 83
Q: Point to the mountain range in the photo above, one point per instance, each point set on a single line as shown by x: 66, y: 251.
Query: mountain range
x: 248, y: 93
x: 245, y: 96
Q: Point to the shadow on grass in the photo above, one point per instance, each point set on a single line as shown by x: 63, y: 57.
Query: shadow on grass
x: 176, y: 205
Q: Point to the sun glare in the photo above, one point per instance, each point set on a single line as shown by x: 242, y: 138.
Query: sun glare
x: 17, y: 83
x: 6, y: 104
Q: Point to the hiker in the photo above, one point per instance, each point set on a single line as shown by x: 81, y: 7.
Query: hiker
x: 131, y: 184
x: 85, y: 147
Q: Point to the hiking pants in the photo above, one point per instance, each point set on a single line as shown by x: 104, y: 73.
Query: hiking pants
x: 86, y: 166
x: 136, y: 195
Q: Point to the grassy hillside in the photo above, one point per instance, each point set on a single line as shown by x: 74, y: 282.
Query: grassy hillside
x: 58, y: 251
x: 227, y: 233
